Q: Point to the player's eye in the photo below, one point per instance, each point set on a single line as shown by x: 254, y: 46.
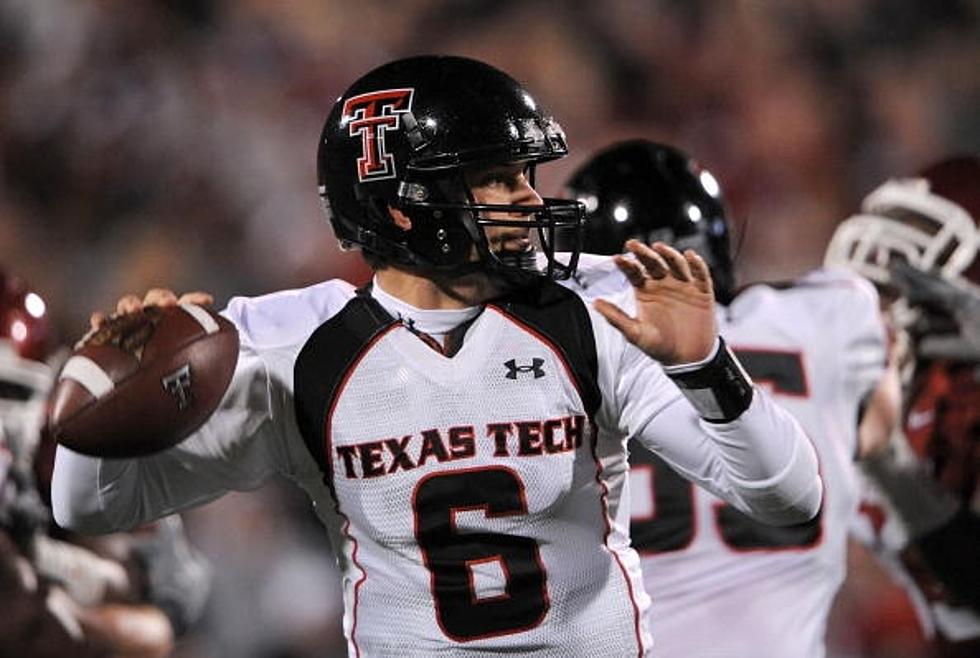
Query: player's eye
x: 504, y: 176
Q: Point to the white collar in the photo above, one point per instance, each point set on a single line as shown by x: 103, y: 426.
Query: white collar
x: 435, y: 322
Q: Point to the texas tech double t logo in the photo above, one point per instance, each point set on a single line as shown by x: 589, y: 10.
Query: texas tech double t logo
x: 370, y: 115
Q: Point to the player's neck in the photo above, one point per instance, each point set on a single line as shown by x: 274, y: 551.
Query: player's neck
x: 426, y: 293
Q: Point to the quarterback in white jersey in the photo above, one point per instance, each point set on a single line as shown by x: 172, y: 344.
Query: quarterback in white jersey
x: 467, y: 451
x: 499, y: 529
x: 818, y: 345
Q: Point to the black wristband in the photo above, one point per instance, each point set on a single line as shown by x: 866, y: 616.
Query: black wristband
x: 720, y: 390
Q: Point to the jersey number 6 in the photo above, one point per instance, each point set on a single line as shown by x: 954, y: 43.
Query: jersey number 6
x: 517, y: 603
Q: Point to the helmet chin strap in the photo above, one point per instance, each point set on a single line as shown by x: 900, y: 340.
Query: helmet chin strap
x: 513, y: 267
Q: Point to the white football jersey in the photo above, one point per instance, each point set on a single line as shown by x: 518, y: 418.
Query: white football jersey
x: 721, y: 584
x: 476, y: 504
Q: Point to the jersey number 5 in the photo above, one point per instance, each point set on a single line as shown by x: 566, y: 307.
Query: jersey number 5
x: 672, y: 527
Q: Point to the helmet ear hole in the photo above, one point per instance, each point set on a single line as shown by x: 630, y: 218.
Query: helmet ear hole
x: 440, y: 237
x: 400, y: 219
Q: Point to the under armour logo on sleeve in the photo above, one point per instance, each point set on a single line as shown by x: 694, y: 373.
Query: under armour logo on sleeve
x: 535, y: 367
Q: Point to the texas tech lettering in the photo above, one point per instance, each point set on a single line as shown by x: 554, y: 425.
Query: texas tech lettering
x: 371, y: 115
x: 532, y: 438
x: 537, y: 437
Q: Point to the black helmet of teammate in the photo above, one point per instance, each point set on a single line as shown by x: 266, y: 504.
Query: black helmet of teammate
x: 648, y: 191
x: 402, y: 135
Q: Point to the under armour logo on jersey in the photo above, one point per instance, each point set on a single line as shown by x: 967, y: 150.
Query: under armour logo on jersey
x: 371, y: 115
x: 178, y: 384
x: 535, y: 367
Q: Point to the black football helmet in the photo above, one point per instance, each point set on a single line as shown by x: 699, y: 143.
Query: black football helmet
x: 649, y: 191
x: 401, y: 136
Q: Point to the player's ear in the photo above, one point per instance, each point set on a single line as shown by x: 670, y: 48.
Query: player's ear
x: 400, y: 219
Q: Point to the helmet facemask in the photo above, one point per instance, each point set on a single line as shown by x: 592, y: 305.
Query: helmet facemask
x: 450, y: 230
x: 903, y: 221
x: 915, y: 245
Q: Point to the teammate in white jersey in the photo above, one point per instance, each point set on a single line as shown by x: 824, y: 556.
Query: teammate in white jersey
x: 721, y: 583
x: 461, y: 423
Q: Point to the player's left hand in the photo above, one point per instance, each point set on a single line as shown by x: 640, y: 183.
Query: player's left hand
x: 675, y: 318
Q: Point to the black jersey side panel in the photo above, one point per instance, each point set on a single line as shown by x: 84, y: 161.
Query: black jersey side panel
x: 324, y: 362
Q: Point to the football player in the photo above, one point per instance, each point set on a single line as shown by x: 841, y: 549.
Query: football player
x: 917, y: 239
x: 817, y: 343
x: 61, y: 598
x: 460, y: 423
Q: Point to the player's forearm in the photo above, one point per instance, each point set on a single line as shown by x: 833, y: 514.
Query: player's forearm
x: 96, y: 496
x: 767, y: 458
x: 761, y: 462
x: 919, y: 500
x: 76, y: 502
x: 236, y: 449
x: 770, y: 463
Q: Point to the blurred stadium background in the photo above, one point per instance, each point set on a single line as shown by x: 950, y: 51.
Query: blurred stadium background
x: 171, y: 143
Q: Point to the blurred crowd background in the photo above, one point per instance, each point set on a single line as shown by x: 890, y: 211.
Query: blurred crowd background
x: 172, y: 143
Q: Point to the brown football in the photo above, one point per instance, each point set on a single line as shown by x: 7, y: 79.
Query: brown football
x: 143, y: 381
